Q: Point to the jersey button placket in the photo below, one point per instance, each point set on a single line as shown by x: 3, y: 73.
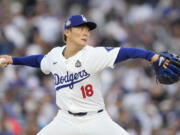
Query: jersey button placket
x: 66, y: 64
x: 69, y: 66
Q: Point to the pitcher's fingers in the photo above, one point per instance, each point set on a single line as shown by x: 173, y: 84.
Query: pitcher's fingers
x: 164, y: 66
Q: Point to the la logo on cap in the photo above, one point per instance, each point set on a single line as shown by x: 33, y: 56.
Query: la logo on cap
x: 84, y: 18
x: 68, y: 23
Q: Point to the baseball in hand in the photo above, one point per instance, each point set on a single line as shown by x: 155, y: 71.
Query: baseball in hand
x: 2, y: 60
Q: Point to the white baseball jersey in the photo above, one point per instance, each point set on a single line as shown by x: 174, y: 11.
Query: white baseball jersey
x: 77, y: 79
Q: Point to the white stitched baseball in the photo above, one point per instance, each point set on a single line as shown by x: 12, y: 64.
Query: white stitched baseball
x: 2, y: 60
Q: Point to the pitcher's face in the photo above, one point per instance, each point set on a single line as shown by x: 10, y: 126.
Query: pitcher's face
x: 78, y: 35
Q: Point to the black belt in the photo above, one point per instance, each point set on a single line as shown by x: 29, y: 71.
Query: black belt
x: 82, y: 113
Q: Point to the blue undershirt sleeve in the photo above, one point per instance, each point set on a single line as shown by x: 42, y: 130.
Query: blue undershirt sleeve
x: 126, y: 53
x: 32, y: 61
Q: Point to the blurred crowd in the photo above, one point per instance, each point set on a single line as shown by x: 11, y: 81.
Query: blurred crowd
x: 132, y: 96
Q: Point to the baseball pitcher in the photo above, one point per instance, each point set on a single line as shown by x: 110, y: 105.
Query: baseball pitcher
x: 76, y: 68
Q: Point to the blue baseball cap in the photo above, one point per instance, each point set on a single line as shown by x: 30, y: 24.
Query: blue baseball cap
x: 76, y: 20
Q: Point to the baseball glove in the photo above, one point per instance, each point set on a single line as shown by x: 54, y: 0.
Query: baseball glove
x: 167, y: 68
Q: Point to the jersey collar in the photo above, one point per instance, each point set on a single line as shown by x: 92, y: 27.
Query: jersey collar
x: 76, y: 55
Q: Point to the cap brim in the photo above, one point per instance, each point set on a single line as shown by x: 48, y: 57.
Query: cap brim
x: 90, y: 25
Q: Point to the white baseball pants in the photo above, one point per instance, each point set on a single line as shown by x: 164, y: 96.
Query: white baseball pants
x: 91, y: 124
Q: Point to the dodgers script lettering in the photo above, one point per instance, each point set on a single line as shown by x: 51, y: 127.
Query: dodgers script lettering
x: 69, y: 80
